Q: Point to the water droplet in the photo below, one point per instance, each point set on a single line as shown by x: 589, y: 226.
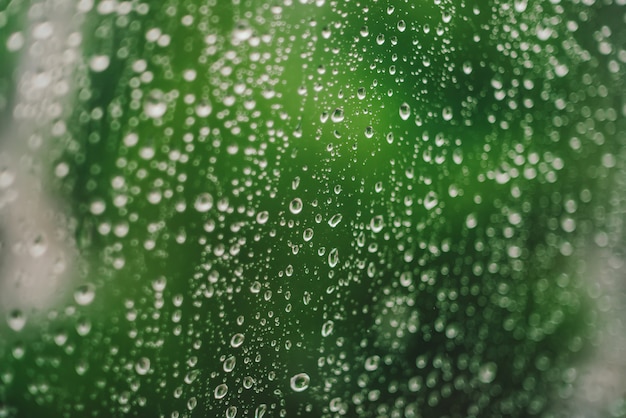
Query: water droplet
x: 85, y: 294
x: 406, y: 278
x: 229, y: 364
x: 405, y: 111
x: 203, y: 109
x: 248, y: 382
x: 221, y: 391
x: 16, y: 320
x: 360, y: 93
x: 97, y: 207
x: 430, y: 201
x: 446, y: 113
x: 295, y: 206
x: 467, y: 67
x: 158, y: 284
x: 259, y: 412
x: 231, y: 412
x: 487, y: 372
x: 300, y: 382
x: 262, y: 217
x: 335, y: 220
x: 471, y: 221
x: 377, y: 223
x: 154, y: 105
x: 371, y: 363
x: 203, y: 203
x: 237, y: 340
x: 99, y: 63
x: 369, y: 132
x: 401, y: 25
x: 307, y: 235
x: 333, y: 257
x: 142, y: 366
x: 327, y: 328
x: 338, y: 115
x: 520, y: 5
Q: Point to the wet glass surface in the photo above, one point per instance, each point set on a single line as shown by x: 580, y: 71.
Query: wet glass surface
x: 312, y: 208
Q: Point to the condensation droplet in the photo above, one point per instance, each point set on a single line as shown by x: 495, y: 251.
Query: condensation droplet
x: 85, y: 294
x: 295, y: 206
x: 154, y: 105
x: 300, y: 382
x: 333, y: 257
x: 405, y: 111
x: 16, y: 320
x: 142, y: 366
x: 327, y: 328
x: 237, y: 340
x: 262, y: 217
x: 221, y: 391
x: 487, y: 372
x: 431, y: 200
x: 203, y: 203
x: 335, y: 220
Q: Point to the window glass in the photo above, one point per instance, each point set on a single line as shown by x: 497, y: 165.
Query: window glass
x: 312, y: 208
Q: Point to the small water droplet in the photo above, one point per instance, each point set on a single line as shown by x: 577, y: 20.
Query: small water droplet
x: 99, y: 63
x: 307, y: 235
x: 262, y: 217
x: 16, y: 320
x: 231, y: 412
x: 142, y: 366
x: 431, y: 200
x: 85, y: 294
x: 300, y: 382
x: 333, y: 257
x: 338, y: 115
x: 295, y: 206
x: 237, y: 340
x: 221, y: 391
x: 203, y: 203
x: 487, y: 372
x: 371, y: 363
x: 154, y: 105
x: 229, y: 364
x: 405, y: 111
x: 377, y: 223
x: 327, y: 328
x: 335, y: 220
x: 203, y: 109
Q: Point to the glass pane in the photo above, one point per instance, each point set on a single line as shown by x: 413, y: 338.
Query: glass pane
x: 312, y: 208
